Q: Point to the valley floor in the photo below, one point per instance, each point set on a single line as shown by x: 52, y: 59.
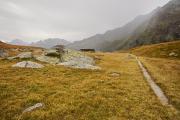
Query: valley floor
x: 117, y: 92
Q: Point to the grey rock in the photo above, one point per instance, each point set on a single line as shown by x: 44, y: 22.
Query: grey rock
x: 37, y: 105
x: 11, y: 58
x: 28, y: 64
x: 114, y: 74
x: 47, y: 59
x: 173, y: 54
x: 51, y: 51
x: 81, y: 63
x: 25, y: 55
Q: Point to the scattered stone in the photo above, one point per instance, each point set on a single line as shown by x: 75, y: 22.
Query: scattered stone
x: 114, y: 74
x: 173, y: 54
x: 37, y: 105
x: 28, y: 64
x: 25, y: 55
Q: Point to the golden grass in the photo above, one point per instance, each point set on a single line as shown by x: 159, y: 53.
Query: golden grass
x: 161, y: 50
x: 167, y: 75
x: 73, y: 94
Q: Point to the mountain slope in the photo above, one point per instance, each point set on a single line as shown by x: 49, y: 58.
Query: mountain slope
x: 48, y: 43
x: 160, y: 25
x: 162, y: 50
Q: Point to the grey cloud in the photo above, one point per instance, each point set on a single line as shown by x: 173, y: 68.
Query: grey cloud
x: 33, y: 20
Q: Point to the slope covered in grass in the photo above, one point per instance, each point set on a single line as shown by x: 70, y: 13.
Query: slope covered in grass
x: 162, y: 50
x: 73, y: 94
x: 166, y: 74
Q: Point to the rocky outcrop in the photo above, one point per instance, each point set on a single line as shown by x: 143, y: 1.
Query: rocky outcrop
x: 47, y: 59
x: 81, y: 63
x: 25, y: 55
x: 28, y: 64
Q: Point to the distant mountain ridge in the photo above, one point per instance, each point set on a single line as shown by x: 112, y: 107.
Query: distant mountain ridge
x: 48, y: 43
x: 18, y: 42
x: 161, y: 25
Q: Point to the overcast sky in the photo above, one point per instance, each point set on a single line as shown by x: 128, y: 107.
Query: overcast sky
x: 32, y: 20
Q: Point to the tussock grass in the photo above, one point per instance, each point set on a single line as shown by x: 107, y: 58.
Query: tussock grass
x: 75, y: 94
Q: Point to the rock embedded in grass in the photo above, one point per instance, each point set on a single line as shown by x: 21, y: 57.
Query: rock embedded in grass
x: 37, y: 105
x: 114, y: 74
x: 173, y: 54
x: 28, y: 64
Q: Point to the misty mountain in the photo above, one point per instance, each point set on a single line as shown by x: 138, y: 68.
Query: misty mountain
x: 48, y: 43
x: 161, y: 25
x: 18, y: 42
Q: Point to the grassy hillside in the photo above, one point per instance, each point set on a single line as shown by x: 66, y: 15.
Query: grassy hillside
x: 73, y: 94
x: 162, y: 50
x: 16, y: 49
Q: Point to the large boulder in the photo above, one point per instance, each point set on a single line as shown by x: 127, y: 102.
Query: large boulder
x: 69, y: 58
x: 28, y: 64
x: 47, y: 59
x: 52, y: 53
x: 81, y: 63
x: 25, y: 55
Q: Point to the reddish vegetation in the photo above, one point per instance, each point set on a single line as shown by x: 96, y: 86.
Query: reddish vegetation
x: 9, y: 46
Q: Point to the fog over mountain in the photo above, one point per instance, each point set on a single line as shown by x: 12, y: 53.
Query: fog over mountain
x: 51, y: 42
x: 33, y: 20
x: 160, y: 25
x: 47, y: 43
x: 18, y: 42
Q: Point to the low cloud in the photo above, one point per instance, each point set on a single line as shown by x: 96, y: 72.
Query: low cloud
x: 34, y: 20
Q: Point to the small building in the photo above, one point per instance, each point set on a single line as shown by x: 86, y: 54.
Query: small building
x: 87, y: 50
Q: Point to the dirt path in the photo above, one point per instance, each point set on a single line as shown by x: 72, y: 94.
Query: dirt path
x: 157, y: 90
